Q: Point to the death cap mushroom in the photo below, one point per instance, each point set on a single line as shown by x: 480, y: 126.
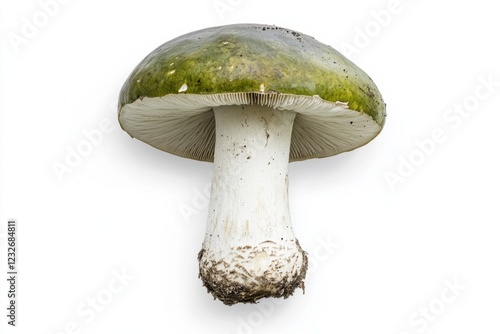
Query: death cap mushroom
x: 221, y: 94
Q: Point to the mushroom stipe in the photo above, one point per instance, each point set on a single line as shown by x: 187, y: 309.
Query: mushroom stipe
x: 250, y: 98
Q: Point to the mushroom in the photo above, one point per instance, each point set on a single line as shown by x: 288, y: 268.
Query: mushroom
x: 250, y: 98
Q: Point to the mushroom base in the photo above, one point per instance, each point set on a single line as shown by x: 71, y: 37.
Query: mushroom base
x: 239, y: 286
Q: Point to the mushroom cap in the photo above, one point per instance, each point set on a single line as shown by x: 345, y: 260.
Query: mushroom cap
x: 168, y: 99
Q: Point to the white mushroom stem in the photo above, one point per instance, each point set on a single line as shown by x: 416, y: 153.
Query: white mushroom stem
x: 250, y: 250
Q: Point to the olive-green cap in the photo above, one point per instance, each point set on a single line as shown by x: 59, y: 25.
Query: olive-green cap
x: 168, y: 99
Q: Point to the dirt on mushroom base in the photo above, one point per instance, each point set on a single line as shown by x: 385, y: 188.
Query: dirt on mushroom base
x: 254, y: 288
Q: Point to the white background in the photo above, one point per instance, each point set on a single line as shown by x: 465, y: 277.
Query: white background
x: 383, y: 254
